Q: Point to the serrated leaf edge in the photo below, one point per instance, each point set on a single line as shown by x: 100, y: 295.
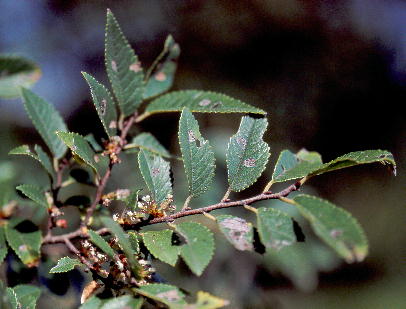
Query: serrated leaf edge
x: 359, y: 256
x: 211, y: 252
x: 173, y: 93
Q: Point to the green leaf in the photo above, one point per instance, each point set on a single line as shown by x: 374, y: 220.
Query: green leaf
x: 12, y: 298
x: 132, y: 199
x: 46, y: 120
x: 104, y: 103
x: 159, y: 243
x: 44, y: 160
x: 197, y: 154
x: 124, y: 243
x: 80, y: 147
x: 358, y: 158
x: 38, y: 155
x: 335, y: 226
x: 147, y: 142
x: 3, y: 245
x: 207, y: 301
x: 64, y: 265
x: 172, y: 297
x: 132, y: 236
x: 35, y: 193
x: 275, y: 228
x: 16, y: 72
x: 295, y: 263
x: 200, y: 102
x: 123, y: 68
x: 162, y: 72
x: 93, y: 142
x: 155, y: 172
x: 167, y: 294
x: 101, y: 243
x: 290, y: 166
x: 199, y: 247
x: 24, y: 296
x: 237, y: 231
x: 247, y: 153
x: 304, y: 163
x: 26, y: 245
x: 123, y: 302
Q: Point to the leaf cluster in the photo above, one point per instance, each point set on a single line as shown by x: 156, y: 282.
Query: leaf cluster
x: 117, y: 248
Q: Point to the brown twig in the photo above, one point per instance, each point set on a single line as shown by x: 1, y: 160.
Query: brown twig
x: 55, y: 187
x: 99, y: 193
x: 184, y: 213
x: 74, y: 250
x: 103, y: 182
x: 221, y: 205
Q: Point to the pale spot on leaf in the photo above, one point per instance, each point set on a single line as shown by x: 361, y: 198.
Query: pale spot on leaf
x: 236, y: 224
x: 155, y: 171
x: 249, y: 163
x: 237, y: 229
x: 160, y: 76
x: 191, y: 136
x: 336, y: 233
x: 135, y: 67
x: 241, y: 141
x: 279, y: 244
x: 113, y: 65
x: 23, y: 248
x: 171, y: 296
x: 96, y: 158
x: 204, y: 102
x: 113, y: 124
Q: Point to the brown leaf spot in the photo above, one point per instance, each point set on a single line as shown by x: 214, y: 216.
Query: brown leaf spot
x: 155, y: 171
x: 160, y: 76
x: 217, y: 104
x: 103, y: 107
x: 135, y: 67
x: 89, y: 290
x: 113, y: 65
x: 204, y: 102
x: 171, y: 296
x: 249, y: 162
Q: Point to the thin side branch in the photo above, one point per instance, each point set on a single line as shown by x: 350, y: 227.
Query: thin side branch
x: 99, y: 193
x: 102, y: 184
x: 183, y: 213
x: 74, y: 250
x: 221, y: 205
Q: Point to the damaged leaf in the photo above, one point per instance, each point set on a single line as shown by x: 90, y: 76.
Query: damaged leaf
x: 197, y: 154
x: 237, y: 231
x: 275, y: 228
x: 335, y: 226
x: 247, y: 153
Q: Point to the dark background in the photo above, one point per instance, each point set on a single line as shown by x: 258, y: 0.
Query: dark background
x: 330, y: 74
